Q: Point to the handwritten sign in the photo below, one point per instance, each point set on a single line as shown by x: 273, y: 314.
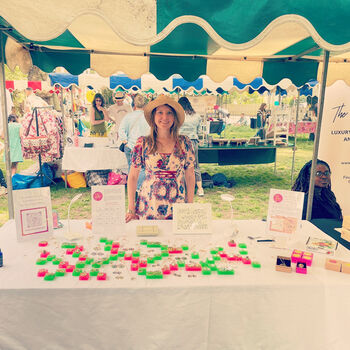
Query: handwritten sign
x: 108, y: 209
x: 285, y: 211
x: 192, y: 218
x: 33, y: 213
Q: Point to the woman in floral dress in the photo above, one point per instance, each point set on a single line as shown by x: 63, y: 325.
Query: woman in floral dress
x: 168, y: 160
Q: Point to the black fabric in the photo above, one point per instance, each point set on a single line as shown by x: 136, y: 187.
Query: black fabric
x: 2, y: 179
x: 219, y: 179
x: 324, y: 205
x: 122, y: 147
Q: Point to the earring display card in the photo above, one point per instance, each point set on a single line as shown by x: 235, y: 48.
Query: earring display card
x: 192, y: 218
x: 284, y: 264
x: 33, y: 212
x: 108, y: 209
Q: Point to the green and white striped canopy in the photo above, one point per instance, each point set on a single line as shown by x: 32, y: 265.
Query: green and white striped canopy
x: 272, y: 39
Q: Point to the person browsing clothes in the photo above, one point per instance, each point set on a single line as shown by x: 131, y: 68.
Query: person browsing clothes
x: 191, y: 128
x: 98, y: 117
x: 118, y: 111
x: 168, y: 159
x: 324, y: 203
x: 131, y: 128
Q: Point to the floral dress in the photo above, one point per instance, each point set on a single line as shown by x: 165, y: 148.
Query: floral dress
x: 165, y: 178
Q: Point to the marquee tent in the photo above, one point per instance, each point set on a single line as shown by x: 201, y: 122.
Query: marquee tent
x: 247, y: 39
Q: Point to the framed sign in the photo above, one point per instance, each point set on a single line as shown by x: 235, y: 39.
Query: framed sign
x: 192, y: 218
x: 285, y: 211
x: 33, y: 212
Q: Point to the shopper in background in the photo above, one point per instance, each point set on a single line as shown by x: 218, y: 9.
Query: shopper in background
x: 98, y: 117
x: 118, y: 111
x: 191, y: 128
x: 261, y: 119
x: 15, y: 133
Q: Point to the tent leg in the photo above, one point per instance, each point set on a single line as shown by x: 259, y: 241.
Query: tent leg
x: 6, y: 132
x: 275, y: 165
x: 317, y: 135
x: 295, y: 138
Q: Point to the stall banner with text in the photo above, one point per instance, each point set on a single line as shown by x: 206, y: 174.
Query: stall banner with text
x: 190, y: 218
x: 33, y: 213
x: 285, y: 211
x: 108, y: 209
x: 335, y: 141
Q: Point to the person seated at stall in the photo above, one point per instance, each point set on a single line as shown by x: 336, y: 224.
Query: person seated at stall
x: 98, y: 117
x: 131, y: 128
x: 168, y: 159
x: 191, y: 128
x: 261, y: 118
x: 324, y: 203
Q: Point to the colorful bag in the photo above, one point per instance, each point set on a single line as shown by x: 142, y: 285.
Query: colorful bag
x: 36, y: 144
x: 114, y: 178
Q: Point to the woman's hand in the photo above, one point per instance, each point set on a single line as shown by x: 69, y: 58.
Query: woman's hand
x: 131, y: 216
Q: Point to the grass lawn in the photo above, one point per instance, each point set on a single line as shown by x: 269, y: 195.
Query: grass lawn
x: 251, y: 192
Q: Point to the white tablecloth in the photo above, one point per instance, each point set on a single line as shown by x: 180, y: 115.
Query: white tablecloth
x: 95, y: 158
x: 254, y: 309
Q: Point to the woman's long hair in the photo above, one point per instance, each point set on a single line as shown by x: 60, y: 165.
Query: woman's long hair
x: 302, y: 182
x: 186, y: 105
x: 262, y: 107
x: 151, y: 139
x: 98, y: 95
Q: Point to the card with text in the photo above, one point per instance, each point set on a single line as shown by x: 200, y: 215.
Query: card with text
x: 33, y: 212
x: 192, y: 218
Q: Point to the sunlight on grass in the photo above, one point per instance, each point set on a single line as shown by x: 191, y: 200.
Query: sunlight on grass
x: 253, y: 183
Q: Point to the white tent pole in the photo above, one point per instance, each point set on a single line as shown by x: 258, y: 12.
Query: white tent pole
x: 6, y: 131
x: 317, y: 135
x: 295, y: 136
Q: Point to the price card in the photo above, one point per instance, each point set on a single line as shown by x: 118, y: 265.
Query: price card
x: 33, y: 212
x: 192, y: 218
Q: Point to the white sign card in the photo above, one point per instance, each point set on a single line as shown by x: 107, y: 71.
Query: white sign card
x: 285, y: 211
x: 108, y: 209
x: 192, y: 218
x: 33, y: 213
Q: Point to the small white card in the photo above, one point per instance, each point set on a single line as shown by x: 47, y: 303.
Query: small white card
x: 285, y: 211
x: 33, y: 213
x: 192, y: 218
x: 108, y: 209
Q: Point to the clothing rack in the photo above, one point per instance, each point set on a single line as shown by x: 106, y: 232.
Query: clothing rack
x: 35, y: 111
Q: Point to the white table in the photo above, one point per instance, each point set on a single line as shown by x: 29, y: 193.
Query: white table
x: 254, y: 309
x: 95, y: 158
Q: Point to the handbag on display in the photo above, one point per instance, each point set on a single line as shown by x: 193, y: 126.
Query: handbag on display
x: 36, y: 144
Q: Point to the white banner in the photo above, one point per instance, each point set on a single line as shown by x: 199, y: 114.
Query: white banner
x: 335, y: 141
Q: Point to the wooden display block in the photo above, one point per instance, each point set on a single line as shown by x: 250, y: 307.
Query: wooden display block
x: 147, y: 230
x: 254, y: 140
x: 284, y: 264
x: 333, y: 264
x: 220, y: 142
x: 238, y: 142
x: 345, y: 267
x: 345, y: 234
